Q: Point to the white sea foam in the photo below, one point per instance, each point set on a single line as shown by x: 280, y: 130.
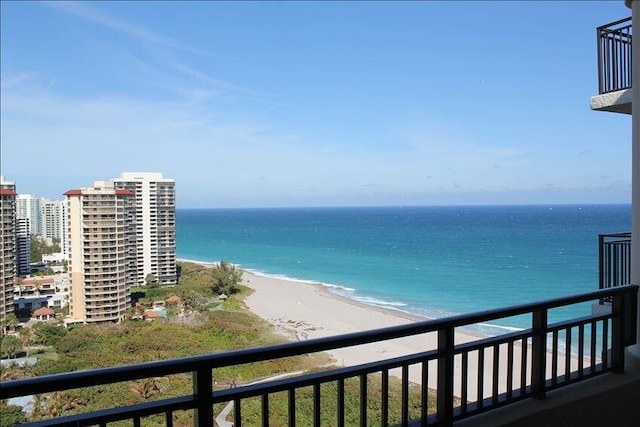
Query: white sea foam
x: 378, y: 302
x: 295, y: 279
x: 351, y: 293
x: 195, y: 261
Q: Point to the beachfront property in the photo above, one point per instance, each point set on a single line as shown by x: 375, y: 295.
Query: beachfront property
x: 7, y: 245
x: 100, y: 221
x: 155, y: 222
x: 519, y: 378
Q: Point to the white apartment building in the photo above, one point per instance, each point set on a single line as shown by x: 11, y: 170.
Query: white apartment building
x: 155, y: 225
x: 51, y: 216
x: 28, y: 206
x: 23, y: 246
x: 7, y: 245
x: 99, y: 227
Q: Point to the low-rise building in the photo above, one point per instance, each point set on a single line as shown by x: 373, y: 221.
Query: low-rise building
x: 35, y: 292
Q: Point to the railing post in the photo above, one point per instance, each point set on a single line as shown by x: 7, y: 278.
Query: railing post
x: 601, y: 256
x: 631, y: 316
x: 618, y: 321
x: 444, y: 394
x: 203, y: 389
x: 539, y: 353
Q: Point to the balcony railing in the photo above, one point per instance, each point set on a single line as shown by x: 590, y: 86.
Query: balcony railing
x: 543, y: 357
x: 615, y: 260
x: 614, y: 56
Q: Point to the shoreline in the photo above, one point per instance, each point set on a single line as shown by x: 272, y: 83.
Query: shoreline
x: 274, y: 283
x: 302, y: 310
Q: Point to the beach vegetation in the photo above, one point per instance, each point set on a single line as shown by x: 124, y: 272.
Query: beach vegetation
x: 226, y: 278
x: 10, y: 346
x: 278, y: 403
x: 151, y: 281
x: 190, y: 329
x: 11, y: 415
x: 39, y: 247
x: 47, y: 334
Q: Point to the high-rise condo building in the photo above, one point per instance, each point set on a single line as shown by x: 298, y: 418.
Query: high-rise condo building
x: 23, y: 246
x: 7, y: 246
x: 155, y: 225
x: 99, y: 238
x: 51, y: 214
x: 28, y: 206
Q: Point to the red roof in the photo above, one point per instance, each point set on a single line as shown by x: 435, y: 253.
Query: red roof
x: 150, y: 314
x: 7, y: 192
x: 41, y: 280
x: 43, y: 311
x: 73, y: 192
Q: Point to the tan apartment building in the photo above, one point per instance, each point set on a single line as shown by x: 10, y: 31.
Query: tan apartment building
x: 99, y: 239
x: 7, y: 246
x: 155, y: 225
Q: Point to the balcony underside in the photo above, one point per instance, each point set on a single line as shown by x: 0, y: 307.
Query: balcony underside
x: 614, y: 102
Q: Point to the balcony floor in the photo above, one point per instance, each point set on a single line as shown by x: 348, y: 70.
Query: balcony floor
x: 608, y: 400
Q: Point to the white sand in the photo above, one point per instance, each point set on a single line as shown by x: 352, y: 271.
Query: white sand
x: 305, y: 311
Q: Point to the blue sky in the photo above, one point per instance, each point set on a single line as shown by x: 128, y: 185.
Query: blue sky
x: 313, y: 103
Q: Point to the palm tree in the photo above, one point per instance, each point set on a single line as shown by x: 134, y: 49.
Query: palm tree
x: 27, y: 337
x: 17, y: 281
x: 37, y: 287
x: 9, y: 323
x: 10, y: 346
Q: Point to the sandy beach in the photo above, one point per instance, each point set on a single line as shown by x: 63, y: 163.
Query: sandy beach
x: 305, y: 311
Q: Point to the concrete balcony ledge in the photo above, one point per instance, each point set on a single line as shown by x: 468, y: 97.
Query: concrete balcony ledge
x: 607, y: 400
x: 614, y: 102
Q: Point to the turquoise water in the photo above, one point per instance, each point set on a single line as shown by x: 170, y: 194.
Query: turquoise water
x: 431, y: 261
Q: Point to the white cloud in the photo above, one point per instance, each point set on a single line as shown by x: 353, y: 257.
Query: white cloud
x: 93, y: 14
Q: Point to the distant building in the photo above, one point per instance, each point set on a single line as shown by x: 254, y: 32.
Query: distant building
x: 41, y: 291
x: 7, y: 246
x: 52, y: 219
x: 99, y: 223
x: 23, y: 246
x: 43, y: 314
x: 56, y: 257
x: 155, y: 225
x: 28, y: 206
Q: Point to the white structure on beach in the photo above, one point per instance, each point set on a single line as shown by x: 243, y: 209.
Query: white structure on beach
x: 155, y: 225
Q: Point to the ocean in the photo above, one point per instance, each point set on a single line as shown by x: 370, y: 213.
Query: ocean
x: 429, y: 261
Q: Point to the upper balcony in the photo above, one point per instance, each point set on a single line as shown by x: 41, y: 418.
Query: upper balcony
x: 614, y: 67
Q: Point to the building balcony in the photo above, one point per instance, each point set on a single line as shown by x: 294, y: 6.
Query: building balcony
x: 614, y: 67
x: 614, y: 260
x: 466, y: 380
